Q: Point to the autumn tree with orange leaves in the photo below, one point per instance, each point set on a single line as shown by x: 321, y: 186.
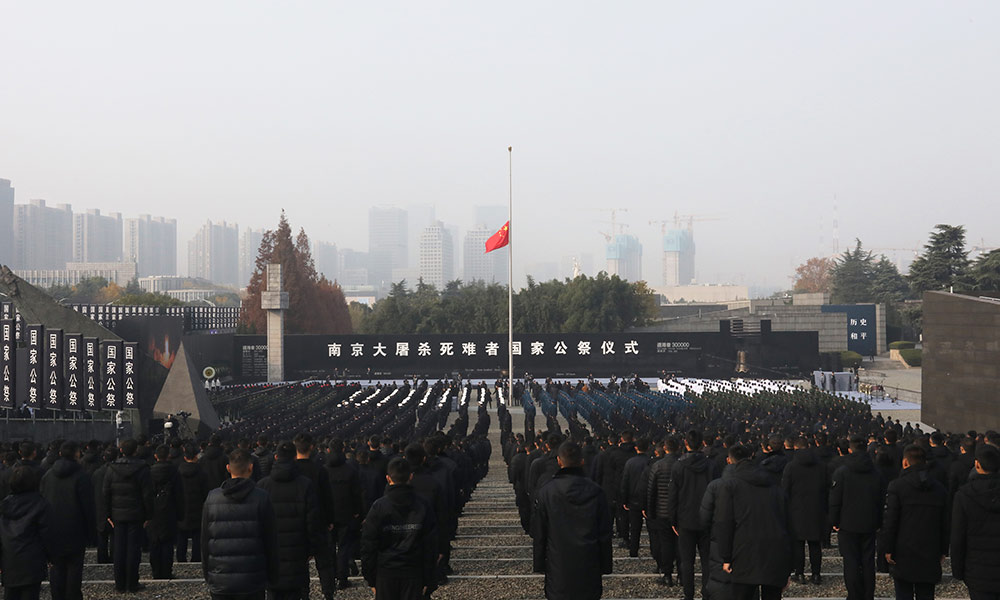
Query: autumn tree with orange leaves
x: 813, y: 275
x: 315, y: 305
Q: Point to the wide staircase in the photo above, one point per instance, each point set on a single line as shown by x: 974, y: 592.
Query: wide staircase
x: 492, y: 560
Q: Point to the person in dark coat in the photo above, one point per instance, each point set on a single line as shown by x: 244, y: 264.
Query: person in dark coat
x: 68, y: 489
x: 239, y: 542
x: 312, y: 469
x: 104, y: 529
x: 662, y: 539
x: 399, y: 545
x: 962, y: 465
x: 129, y: 506
x: 689, y: 477
x: 914, y: 536
x: 975, y: 528
x: 298, y: 523
x: 27, y: 535
x: 571, y: 531
x: 213, y: 461
x: 718, y: 586
x: 429, y: 489
x: 632, y: 492
x: 516, y: 475
x: 805, y: 483
x: 856, y: 498
x: 348, y: 507
x: 544, y: 467
x: 194, y: 490
x: 168, y: 508
x: 750, y: 525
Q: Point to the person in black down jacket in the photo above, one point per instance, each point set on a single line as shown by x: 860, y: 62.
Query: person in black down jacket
x: 662, y: 538
x: 239, y: 543
x: 194, y: 490
x: 298, y: 523
x: 750, y: 525
x: 129, y: 506
x: 168, y: 508
x: 399, y: 544
x: 213, y: 461
x: 348, y: 507
x: 805, y: 482
x: 635, y: 480
x: 571, y: 531
x: 67, y: 488
x: 718, y: 585
x: 311, y: 467
x: 430, y: 490
x: 914, y: 536
x: 104, y: 530
x: 975, y: 528
x: 690, y: 476
x: 27, y: 535
x: 856, y: 498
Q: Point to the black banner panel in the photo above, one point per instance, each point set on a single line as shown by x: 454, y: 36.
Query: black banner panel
x: 130, y: 375
x: 74, y: 371
x: 111, y: 375
x: 35, y: 374
x: 8, y: 364
x: 92, y: 365
x: 54, y: 369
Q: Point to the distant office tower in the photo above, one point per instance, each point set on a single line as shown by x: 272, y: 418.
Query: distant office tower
x: 97, y: 238
x: 43, y: 235
x: 6, y: 223
x: 437, y: 255
x: 151, y: 243
x: 387, y: 244
x: 249, y: 248
x: 213, y: 254
x: 327, y: 260
x: 678, y: 257
x: 479, y: 266
x: 419, y: 217
x: 624, y: 255
x: 353, y: 268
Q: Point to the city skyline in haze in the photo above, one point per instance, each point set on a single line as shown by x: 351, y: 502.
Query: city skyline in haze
x: 775, y: 120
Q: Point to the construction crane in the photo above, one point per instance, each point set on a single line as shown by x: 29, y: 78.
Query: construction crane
x: 615, y: 225
x: 679, y: 218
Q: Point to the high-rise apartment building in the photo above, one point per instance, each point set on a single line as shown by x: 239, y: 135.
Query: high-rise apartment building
x: 678, y: 257
x: 97, y: 238
x: 437, y: 255
x: 249, y: 249
x: 624, y: 256
x: 419, y: 217
x: 151, y: 243
x: 353, y: 271
x: 477, y: 264
x: 213, y: 253
x: 43, y: 235
x: 6, y: 223
x: 387, y: 244
x: 327, y: 260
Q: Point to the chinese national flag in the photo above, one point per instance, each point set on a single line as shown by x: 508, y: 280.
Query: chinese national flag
x: 499, y: 239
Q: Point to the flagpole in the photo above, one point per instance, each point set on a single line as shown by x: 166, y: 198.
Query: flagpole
x: 510, y: 276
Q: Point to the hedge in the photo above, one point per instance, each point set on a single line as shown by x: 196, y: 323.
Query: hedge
x: 850, y: 359
x: 901, y: 345
x: 912, y: 356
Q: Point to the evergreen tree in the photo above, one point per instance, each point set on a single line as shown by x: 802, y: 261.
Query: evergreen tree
x: 985, y: 272
x: 944, y: 263
x: 851, y: 276
x: 887, y: 284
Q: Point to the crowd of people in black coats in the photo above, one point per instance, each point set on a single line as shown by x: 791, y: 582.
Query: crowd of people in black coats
x: 252, y: 512
x: 750, y: 482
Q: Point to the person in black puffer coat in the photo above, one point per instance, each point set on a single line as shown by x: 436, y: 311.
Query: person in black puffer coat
x: 213, y: 460
x: 27, y: 536
x: 104, y: 530
x: 718, y: 585
x: 239, y: 542
x: 914, y: 536
x: 805, y: 482
x: 661, y: 534
x: 975, y: 528
x: 129, y: 505
x: 168, y: 507
x: 348, y: 507
x: 194, y: 490
x: 689, y: 477
x: 632, y: 492
x: 68, y: 489
x: 856, y: 499
x: 298, y: 523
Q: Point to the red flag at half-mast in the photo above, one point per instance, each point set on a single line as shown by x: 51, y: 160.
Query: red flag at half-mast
x: 499, y: 239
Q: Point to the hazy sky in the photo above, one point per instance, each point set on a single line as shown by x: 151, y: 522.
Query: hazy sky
x: 757, y: 113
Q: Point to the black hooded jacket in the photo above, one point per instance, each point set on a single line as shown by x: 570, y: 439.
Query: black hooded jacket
x: 571, y: 531
x: 689, y: 477
x: 239, y: 543
x: 975, y: 534
x: 128, y: 495
x: 915, y: 525
x: 751, y: 528
x: 27, y: 538
x: 168, y: 502
x: 658, y: 487
x: 399, y: 537
x: 856, y: 495
x: 345, y: 489
x: 194, y: 490
x: 213, y: 460
x: 298, y: 522
x: 69, y: 491
x: 805, y: 482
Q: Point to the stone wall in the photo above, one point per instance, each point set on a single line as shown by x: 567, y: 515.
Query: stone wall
x: 961, y: 362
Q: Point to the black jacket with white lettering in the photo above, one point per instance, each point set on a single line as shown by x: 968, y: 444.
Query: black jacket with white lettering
x: 399, y: 537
